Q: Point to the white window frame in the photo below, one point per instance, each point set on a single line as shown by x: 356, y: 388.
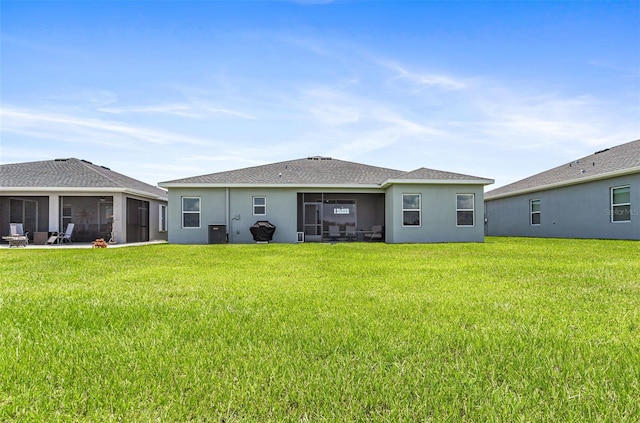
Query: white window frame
x: 612, y: 209
x: 532, y: 212
x: 472, y: 210
x: 259, y: 205
x: 198, y: 212
x: 419, y: 210
x: 162, y: 218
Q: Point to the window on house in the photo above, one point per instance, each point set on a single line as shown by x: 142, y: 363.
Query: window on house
x: 259, y: 206
x: 621, y: 204
x: 411, y: 210
x: 535, y: 212
x: 190, y: 212
x: 162, y: 218
x: 465, y: 204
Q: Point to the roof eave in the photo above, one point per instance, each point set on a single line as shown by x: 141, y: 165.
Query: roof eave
x: 562, y: 184
x: 389, y: 182
x: 78, y: 190
x: 169, y: 185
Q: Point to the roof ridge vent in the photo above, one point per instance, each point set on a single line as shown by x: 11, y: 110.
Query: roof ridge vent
x: 318, y: 158
x: 601, y: 151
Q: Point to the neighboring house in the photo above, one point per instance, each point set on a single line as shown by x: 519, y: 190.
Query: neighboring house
x: 46, y: 196
x: 597, y: 196
x: 324, y: 199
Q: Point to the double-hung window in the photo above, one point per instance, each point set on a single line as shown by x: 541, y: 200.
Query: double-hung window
x: 190, y: 212
x: 162, y: 218
x: 534, y: 208
x: 411, y: 211
x: 621, y: 204
x: 465, y: 209
x: 259, y: 206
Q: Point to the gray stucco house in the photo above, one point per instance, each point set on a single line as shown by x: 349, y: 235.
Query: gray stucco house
x: 597, y: 196
x: 324, y: 199
x: 46, y: 196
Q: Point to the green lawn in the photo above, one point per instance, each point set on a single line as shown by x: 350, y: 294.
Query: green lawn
x: 510, y: 330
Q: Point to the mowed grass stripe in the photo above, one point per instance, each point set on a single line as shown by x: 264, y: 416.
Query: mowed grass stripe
x: 509, y: 330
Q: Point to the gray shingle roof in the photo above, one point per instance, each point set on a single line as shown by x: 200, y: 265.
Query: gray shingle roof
x: 70, y: 173
x: 431, y: 174
x: 314, y: 171
x: 621, y: 158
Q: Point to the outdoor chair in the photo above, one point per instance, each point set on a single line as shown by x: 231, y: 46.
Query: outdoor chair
x: 58, y: 238
x: 350, y: 232
x: 375, y: 234
x: 66, y: 237
x: 334, y: 231
x: 17, y: 236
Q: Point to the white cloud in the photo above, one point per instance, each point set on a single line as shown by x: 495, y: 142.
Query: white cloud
x: 48, y: 125
x: 194, y: 110
x: 423, y: 80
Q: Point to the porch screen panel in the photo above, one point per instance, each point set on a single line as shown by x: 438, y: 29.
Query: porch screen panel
x: 341, y: 213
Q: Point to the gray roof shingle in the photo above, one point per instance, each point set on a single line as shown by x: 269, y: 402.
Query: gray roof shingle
x: 70, y: 173
x: 620, y: 158
x: 315, y: 171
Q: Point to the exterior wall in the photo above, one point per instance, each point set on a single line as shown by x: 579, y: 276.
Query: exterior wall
x: 282, y: 211
x: 233, y: 208
x: 438, y: 214
x: 154, y: 221
x: 212, y: 212
x: 577, y: 211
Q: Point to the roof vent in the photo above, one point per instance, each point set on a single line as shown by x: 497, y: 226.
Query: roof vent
x: 60, y: 160
x: 601, y: 151
x: 318, y: 158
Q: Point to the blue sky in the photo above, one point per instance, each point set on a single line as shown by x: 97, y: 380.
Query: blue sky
x: 161, y: 90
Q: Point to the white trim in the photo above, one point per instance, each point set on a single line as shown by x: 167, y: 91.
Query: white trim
x: 479, y: 181
x: 88, y: 191
x: 162, y: 218
x: 619, y: 204
x: 473, y: 210
x: 254, y: 205
x: 383, y: 185
x: 531, y: 212
x: 182, y: 212
x: 608, y: 175
x: 266, y: 185
x: 419, y: 209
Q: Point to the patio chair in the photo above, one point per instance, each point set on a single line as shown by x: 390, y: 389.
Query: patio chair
x: 334, y: 231
x: 17, y: 235
x: 16, y: 229
x: 375, y: 234
x: 350, y: 232
x: 66, y: 237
